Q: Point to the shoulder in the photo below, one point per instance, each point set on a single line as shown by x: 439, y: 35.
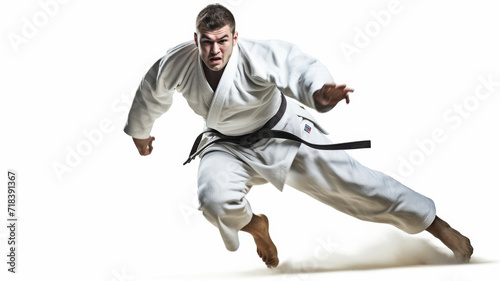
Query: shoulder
x: 173, y: 64
x: 183, y: 48
x: 250, y: 46
x: 262, y: 57
x: 181, y: 52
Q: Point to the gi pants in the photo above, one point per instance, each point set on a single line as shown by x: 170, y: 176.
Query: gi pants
x: 333, y: 177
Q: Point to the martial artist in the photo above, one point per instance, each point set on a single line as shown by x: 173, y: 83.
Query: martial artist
x: 243, y: 89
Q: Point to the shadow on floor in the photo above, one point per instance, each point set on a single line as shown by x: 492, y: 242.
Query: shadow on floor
x: 394, y: 250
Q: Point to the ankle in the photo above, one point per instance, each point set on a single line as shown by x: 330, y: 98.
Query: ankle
x: 435, y: 228
x: 251, y: 226
x: 256, y: 227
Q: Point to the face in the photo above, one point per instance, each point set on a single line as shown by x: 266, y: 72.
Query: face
x: 216, y: 46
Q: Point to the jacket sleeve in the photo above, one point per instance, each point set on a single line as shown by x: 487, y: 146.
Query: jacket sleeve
x: 295, y: 73
x: 153, y: 98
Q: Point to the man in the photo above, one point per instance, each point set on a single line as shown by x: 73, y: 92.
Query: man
x: 239, y: 88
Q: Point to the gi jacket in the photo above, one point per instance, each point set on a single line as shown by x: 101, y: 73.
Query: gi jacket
x: 247, y: 96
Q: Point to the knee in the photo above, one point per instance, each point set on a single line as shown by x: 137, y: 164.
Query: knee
x: 214, y: 199
x: 220, y: 189
x: 215, y: 202
x: 207, y: 198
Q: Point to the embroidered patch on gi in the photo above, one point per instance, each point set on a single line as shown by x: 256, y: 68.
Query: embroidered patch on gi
x: 307, y: 128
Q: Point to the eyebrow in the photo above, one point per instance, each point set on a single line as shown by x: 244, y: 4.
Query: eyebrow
x: 206, y: 37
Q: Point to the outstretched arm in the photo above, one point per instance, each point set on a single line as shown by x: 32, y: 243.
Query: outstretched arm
x: 329, y: 95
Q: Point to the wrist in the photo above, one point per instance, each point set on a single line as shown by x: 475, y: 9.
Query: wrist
x: 321, y: 104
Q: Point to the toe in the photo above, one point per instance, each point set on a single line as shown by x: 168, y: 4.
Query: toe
x: 272, y: 263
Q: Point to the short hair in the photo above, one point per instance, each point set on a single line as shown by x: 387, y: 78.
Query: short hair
x: 215, y: 16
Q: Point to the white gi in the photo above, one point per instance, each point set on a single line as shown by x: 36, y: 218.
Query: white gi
x: 247, y: 96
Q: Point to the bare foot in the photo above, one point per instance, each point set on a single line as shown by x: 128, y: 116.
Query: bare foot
x: 459, y: 244
x: 259, y: 229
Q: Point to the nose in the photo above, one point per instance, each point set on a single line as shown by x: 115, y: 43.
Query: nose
x: 215, y: 48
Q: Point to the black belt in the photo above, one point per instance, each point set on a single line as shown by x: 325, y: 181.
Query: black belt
x: 266, y: 132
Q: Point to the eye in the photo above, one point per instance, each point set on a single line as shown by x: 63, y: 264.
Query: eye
x: 222, y: 41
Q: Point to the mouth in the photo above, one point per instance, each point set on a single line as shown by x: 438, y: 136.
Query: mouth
x: 215, y: 60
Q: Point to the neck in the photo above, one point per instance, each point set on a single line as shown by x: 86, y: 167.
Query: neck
x: 213, y: 77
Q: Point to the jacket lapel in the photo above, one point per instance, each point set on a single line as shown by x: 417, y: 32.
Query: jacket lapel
x: 223, y: 89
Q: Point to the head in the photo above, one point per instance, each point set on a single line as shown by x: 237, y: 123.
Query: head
x: 215, y: 36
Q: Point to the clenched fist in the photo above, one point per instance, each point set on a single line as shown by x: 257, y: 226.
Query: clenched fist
x: 144, y: 146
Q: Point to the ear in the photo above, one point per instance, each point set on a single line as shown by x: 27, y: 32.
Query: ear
x: 235, y: 38
x: 196, y: 39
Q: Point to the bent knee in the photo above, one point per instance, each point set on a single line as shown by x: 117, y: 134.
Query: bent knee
x: 210, y: 198
x: 207, y: 199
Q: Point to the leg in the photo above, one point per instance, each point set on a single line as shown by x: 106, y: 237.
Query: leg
x: 223, y: 182
x: 336, y: 179
x: 459, y: 244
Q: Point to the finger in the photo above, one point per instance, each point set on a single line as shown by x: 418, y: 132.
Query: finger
x: 151, y: 139
x: 349, y: 89
x: 327, y: 87
x: 341, y: 86
x: 146, y: 151
x: 347, y: 99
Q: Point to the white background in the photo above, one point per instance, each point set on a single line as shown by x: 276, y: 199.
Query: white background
x: 90, y: 208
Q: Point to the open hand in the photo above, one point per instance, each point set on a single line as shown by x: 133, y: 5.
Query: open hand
x: 144, y: 146
x: 329, y: 95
